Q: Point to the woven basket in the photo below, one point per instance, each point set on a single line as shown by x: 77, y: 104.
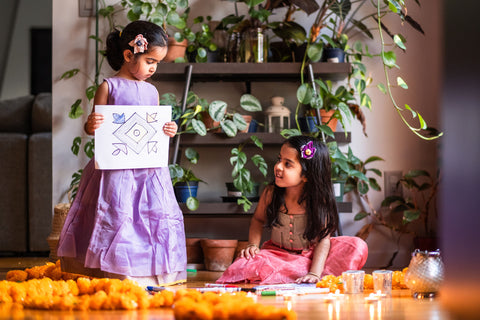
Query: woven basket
x: 60, y: 212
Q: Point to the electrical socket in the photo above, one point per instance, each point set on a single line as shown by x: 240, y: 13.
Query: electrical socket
x: 391, y: 179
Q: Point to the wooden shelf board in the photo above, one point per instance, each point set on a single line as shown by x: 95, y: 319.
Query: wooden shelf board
x: 231, y: 209
x: 227, y: 71
x: 221, y: 139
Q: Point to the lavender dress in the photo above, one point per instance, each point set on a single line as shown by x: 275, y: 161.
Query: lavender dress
x: 125, y: 222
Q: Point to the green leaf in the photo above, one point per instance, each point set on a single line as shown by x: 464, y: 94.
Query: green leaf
x: 75, y: 110
x: 256, y: 140
x: 250, y: 103
x: 373, y: 159
x: 192, y: 203
x: 389, y: 59
x: 399, y: 41
x: 132, y: 16
x: 192, y: 155
x: 361, y: 215
x: 89, y: 149
x: 382, y: 88
x: 287, y: 133
x: 174, y: 19
x: 314, y: 51
x: 199, y: 127
x: 304, y: 93
x: 402, y: 83
x: 410, y: 215
x: 239, y: 121
x: 70, y: 73
x: 414, y: 114
x: 374, y: 184
x: 217, y: 110
x: 90, y: 92
x: 229, y: 128
x: 76, y: 145
x: 391, y: 199
x: 362, y: 187
x: 423, y: 124
x: 417, y: 173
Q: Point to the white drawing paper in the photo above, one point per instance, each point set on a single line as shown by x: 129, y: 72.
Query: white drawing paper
x: 132, y: 137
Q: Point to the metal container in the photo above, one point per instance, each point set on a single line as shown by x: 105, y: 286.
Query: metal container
x: 425, y: 274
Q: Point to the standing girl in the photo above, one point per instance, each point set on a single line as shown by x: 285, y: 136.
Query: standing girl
x: 127, y: 223
x: 300, y: 210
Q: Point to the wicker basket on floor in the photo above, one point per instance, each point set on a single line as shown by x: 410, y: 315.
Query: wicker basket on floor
x: 59, y: 214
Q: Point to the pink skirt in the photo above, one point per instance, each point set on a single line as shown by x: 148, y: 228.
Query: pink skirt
x: 274, y: 265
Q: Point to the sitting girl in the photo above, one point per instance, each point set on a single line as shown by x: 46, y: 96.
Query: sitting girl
x: 300, y: 209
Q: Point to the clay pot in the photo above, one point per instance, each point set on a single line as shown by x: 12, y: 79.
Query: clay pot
x: 209, y: 122
x: 218, y: 254
x: 327, y: 118
x: 248, y: 120
x: 194, y: 250
x: 175, y: 49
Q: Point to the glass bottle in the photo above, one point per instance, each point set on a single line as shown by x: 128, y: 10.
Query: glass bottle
x: 255, y: 46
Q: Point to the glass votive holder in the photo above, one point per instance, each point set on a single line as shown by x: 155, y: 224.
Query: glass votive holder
x: 382, y: 281
x: 353, y: 281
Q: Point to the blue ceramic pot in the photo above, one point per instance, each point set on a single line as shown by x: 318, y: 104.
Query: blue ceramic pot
x: 184, y: 190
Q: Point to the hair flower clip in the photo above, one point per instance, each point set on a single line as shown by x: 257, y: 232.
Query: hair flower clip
x: 139, y: 44
x: 308, y: 150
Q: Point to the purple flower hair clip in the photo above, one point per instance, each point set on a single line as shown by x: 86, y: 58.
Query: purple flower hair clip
x: 139, y: 44
x: 308, y: 150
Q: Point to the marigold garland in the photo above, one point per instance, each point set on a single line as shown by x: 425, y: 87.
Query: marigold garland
x: 48, y: 288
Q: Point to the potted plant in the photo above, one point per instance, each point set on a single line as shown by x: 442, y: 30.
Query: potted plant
x: 242, y: 177
x: 168, y: 14
x: 414, y: 212
x: 185, y: 183
x: 199, y: 37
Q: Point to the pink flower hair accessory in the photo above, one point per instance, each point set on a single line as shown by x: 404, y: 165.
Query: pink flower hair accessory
x: 308, y: 150
x: 139, y: 44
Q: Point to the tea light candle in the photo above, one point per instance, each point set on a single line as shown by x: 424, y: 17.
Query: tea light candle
x: 353, y: 281
x: 331, y: 297
x: 382, y: 281
x: 372, y: 298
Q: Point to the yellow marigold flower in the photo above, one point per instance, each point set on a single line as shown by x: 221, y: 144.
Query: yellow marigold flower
x: 17, y: 275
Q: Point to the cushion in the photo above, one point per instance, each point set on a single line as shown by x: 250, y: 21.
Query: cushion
x: 15, y: 114
x: 42, y: 113
x: 13, y: 192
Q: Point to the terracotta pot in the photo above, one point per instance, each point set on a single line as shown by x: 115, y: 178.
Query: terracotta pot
x: 248, y: 120
x: 194, y: 250
x: 209, y: 123
x: 218, y: 254
x: 175, y: 49
x: 327, y: 119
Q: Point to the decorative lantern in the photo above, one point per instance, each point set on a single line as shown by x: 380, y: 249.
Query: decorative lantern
x: 277, y: 116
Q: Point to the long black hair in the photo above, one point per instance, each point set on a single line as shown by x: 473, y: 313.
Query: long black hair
x: 117, y: 41
x: 317, y: 195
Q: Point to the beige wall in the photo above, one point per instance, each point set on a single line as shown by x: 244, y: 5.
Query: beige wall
x: 387, y: 135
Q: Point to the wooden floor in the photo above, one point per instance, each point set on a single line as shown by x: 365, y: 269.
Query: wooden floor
x: 399, y: 306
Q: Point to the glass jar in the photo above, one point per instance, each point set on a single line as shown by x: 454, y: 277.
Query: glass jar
x: 232, y: 53
x: 424, y: 274
x: 255, y: 46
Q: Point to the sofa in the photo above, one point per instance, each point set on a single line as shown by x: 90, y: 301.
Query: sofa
x: 26, y: 174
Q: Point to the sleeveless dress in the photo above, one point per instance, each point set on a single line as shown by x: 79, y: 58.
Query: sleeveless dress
x: 287, y: 256
x: 125, y: 223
